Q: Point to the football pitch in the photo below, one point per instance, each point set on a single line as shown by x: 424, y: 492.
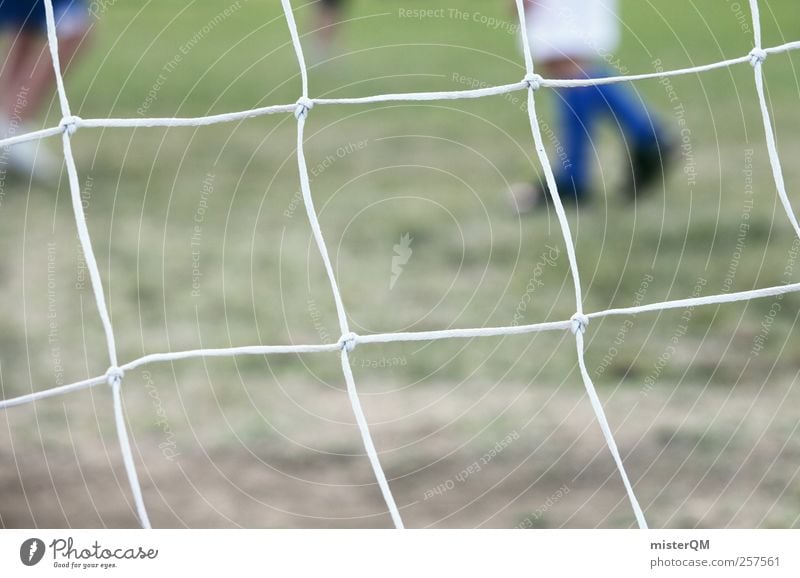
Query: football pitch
x: 203, y: 242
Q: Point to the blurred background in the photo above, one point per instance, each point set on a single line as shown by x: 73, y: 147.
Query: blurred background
x: 202, y: 241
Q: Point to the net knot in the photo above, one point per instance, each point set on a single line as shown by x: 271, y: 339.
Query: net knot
x: 348, y: 342
x: 114, y: 376
x: 757, y: 56
x: 533, y: 81
x: 579, y: 323
x: 304, y: 104
x: 70, y: 124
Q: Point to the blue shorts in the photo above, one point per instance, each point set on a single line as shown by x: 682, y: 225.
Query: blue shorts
x: 71, y: 16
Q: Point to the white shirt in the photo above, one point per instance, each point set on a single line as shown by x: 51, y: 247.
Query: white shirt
x: 576, y: 29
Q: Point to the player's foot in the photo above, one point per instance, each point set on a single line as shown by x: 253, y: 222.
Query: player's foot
x: 531, y: 197
x: 30, y: 158
x: 649, y: 164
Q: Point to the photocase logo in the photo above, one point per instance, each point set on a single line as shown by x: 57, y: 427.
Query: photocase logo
x: 32, y: 551
x: 402, y: 253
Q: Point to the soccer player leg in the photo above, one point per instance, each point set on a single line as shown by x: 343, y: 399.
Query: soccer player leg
x: 650, y: 146
x: 35, y: 81
x: 578, y: 112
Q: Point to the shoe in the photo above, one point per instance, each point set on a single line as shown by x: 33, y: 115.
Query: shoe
x: 648, y: 164
x: 531, y: 197
x: 30, y: 158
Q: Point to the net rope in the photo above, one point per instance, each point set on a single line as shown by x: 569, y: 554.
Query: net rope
x: 577, y: 324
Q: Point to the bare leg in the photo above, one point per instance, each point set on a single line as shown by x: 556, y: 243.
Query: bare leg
x: 327, y: 19
x: 27, y: 81
x: 37, y: 77
x: 11, y: 79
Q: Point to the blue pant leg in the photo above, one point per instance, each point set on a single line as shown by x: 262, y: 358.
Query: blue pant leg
x: 628, y: 109
x: 578, y: 113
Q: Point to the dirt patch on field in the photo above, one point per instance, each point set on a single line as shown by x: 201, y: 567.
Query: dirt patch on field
x: 538, y: 462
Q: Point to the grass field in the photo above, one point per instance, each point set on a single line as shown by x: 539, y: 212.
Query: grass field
x: 203, y: 242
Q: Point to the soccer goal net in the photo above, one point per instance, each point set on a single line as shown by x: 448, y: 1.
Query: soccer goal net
x: 348, y: 340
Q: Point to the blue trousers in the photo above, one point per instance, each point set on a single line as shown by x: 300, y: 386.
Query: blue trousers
x: 579, y: 111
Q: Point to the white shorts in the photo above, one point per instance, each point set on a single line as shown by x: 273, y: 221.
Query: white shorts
x: 575, y: 29
x: 72, y: 19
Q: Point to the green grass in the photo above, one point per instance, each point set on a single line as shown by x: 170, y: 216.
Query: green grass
x: 438, y: 172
